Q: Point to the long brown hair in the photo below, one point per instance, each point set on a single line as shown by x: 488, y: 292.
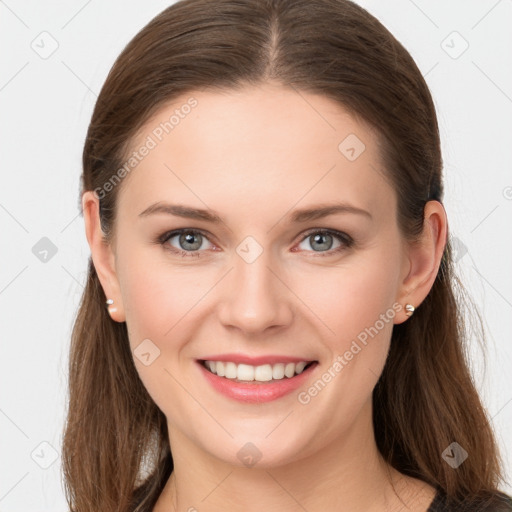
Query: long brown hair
x: 116, y: 453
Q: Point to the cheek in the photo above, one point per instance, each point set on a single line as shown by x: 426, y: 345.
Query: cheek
x: 355, y: 303
x: 159, y: 303
x: 352, y: 297
x: 156, y: 295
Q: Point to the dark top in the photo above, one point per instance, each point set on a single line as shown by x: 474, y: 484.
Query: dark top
x: 499, y: 502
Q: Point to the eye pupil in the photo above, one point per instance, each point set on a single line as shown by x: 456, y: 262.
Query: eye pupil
x: 187, y: 238
x: 320, y: 238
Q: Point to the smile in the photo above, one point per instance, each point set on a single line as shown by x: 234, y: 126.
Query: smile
x: 261, y: 373
x: 256, y: 383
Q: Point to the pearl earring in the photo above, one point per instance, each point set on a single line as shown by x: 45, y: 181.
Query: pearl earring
x: 409, y: 309
x: 109, y: 303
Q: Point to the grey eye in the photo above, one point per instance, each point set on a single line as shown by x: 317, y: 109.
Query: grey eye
x: 190, y: 241
x: 319, y: 242
x: 322, y: 241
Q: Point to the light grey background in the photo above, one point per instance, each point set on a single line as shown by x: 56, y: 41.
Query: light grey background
x: 46, y: 102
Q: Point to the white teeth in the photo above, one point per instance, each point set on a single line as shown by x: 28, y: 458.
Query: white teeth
x: 245, y: 372
x: 278, y: 371
x: 262, y: 373
x: 299, y: 368
x: 230, y: 370
x: 289, y: 370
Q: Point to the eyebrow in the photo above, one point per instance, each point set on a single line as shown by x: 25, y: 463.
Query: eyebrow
x: 297, y: 216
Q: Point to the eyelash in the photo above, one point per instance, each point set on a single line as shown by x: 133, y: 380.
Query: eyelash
x: 346, y: 241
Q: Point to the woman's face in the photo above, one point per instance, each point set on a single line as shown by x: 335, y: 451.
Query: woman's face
x: 261, y: 284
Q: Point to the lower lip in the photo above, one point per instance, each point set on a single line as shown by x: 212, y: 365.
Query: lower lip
x: 255, y: 391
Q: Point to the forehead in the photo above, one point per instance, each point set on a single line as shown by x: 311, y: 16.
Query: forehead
x: 259, y: 149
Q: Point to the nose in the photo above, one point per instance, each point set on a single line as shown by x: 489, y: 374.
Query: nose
x: 255, y: 298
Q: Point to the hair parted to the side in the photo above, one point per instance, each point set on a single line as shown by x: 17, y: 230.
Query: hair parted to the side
x: 116, y: 454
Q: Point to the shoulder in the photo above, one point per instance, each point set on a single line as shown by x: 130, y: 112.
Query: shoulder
x: 495, y: 502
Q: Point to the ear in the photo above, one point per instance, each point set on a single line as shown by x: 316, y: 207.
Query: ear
x: 102, y: 254
x: 423, y: 258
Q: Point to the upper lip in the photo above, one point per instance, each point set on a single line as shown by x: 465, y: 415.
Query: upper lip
x: 255, y: 361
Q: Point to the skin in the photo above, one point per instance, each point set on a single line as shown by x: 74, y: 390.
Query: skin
x: 252, y: 156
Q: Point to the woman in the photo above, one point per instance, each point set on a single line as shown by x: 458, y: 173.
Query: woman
x: 270, y: 321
